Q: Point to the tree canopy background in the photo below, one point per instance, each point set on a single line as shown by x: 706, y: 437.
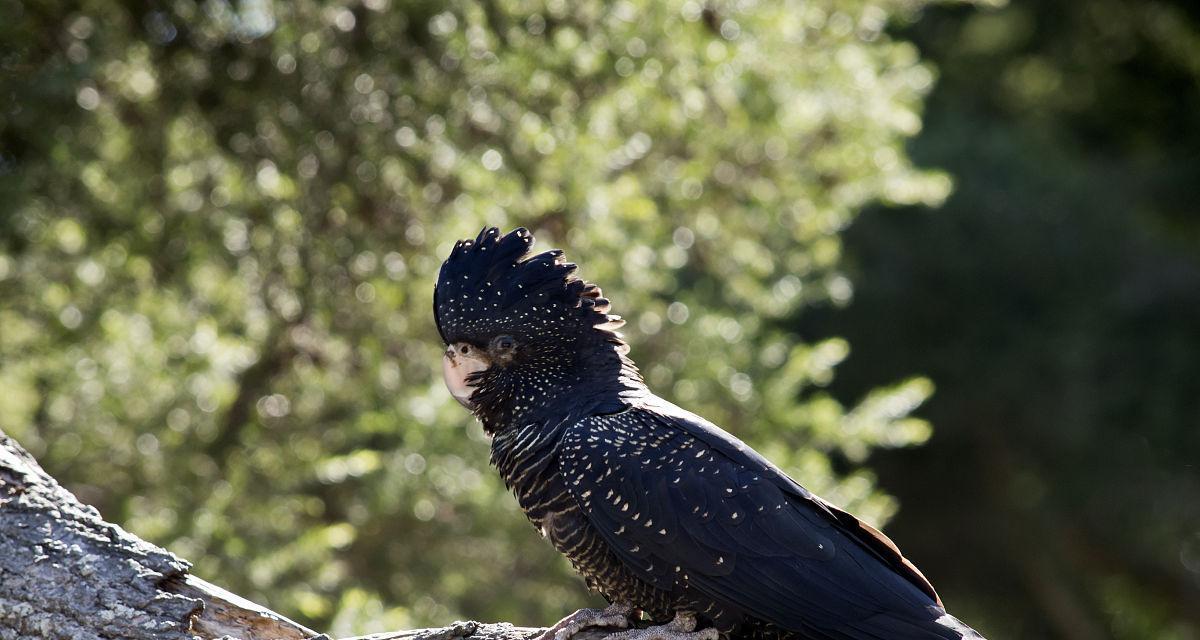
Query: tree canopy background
x: 220, y: 224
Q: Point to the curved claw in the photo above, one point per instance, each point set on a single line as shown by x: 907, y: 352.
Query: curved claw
x: 681, y: 628
x: 615, y: 615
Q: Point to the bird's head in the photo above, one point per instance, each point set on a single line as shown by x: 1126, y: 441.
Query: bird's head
x: 524, y: 336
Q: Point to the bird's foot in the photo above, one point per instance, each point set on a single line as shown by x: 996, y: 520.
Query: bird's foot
x: 683, y: 627
x: 614, y: 615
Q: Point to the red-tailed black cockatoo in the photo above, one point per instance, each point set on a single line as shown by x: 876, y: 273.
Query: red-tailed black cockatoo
x: 659, y: 510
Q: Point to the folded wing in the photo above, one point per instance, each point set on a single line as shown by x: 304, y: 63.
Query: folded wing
x: 686, y: 506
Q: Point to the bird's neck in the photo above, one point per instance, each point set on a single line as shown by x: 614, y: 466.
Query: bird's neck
x: 603, y: 382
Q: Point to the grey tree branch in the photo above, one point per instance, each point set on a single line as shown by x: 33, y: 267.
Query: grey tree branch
x: 65, y: 573
x: 477, y: 631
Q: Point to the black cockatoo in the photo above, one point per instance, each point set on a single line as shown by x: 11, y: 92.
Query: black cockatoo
x: 658, y: 509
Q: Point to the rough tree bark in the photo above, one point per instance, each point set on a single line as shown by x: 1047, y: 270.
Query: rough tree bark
x: 65, y: 573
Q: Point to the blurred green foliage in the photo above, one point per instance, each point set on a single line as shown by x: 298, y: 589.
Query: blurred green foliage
x: 220, y: 224
x: 1055, y: 302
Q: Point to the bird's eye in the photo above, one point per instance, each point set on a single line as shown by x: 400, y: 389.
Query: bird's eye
x: 465, y: 349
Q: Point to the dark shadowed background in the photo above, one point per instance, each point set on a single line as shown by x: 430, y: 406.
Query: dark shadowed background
x: 940, y: 261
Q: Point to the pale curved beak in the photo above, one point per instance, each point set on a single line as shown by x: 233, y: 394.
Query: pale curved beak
x: 455, y: 370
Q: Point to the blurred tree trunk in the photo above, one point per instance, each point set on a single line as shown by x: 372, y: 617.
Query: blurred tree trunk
x: 66, y: 573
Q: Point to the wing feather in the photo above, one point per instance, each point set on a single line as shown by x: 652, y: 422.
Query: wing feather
x: 821, y: 513
x: 743, y: 533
